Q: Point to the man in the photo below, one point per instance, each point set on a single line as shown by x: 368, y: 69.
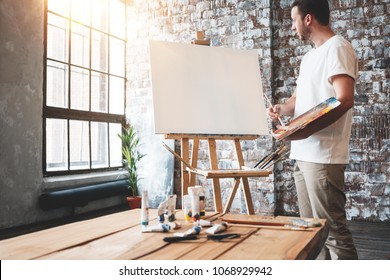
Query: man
x: 321, y: 149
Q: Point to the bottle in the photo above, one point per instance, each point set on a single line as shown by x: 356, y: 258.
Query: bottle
x: 144, y: 209
x: 202, y: 202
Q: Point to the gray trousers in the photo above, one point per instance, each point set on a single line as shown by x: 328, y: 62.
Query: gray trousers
x: 320, y: 189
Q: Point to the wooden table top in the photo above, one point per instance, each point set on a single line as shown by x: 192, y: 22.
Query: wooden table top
x: 119, y: 237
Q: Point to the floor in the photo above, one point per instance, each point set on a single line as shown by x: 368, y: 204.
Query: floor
x: 372, y: 239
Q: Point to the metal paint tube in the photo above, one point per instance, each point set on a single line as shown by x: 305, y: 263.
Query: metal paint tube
x: 145, y: 209
x: 217, y: 228
x: 161, y: 211
x: 205, y: 223
x: 193, y: 231
x: 194, y: 195
x: 187, y: 207
x: 175, y: 225
x: 171, y: 207
x: 157, y: 228
x: 202, y: 202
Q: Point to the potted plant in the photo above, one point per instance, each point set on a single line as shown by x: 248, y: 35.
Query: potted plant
x: 131, y: 159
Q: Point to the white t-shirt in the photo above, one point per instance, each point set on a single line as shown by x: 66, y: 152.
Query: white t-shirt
x: 331, y: 144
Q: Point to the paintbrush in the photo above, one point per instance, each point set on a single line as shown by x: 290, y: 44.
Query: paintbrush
x: 214, y: 237
x: 271, y: 157
x: 276, y: 161
x: 284, y: 227
x: 278, y: 155
x: 270, y: 104
x: 178, y: 157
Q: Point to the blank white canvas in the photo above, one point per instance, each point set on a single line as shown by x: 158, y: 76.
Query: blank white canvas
x: 206, y: 90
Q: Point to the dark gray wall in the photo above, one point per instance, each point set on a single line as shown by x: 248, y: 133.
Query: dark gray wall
x: 21, y: 97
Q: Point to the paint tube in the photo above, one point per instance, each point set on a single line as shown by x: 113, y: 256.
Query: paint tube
x: 161, y: 211
x: 171, y: 207
x: 217, y: 228
x: 205, y: 223
x: 193, y: 231
x: 144, y: 209
x: 202, y: 203
x: 194, y: 195
x: 187, y: 207
x: 157, y: 228
x: 175, y: 225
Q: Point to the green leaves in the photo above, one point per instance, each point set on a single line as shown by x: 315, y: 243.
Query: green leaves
x: 131, y: 157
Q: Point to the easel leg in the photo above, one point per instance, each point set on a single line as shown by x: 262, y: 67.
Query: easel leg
x: 245, y: 182
x: 232, y: 195
x: 194, y: 160
x: 184, y: 172
x: 214, y: 166
x: 247, y: 196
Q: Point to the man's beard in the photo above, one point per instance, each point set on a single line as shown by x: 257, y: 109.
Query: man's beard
x: 305, y: 34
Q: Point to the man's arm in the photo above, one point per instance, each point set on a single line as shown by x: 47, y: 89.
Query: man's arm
x: 344, y: 87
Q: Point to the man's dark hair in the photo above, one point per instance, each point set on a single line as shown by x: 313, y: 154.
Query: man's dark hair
x: 318, y: 8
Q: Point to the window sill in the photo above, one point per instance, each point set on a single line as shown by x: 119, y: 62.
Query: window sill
x: 57, y: 182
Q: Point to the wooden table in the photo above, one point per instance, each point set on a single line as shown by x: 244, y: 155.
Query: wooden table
x: 119, y: 236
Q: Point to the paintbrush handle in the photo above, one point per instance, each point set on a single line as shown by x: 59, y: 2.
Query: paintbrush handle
x: 172, y: 239
x: 270, y: 104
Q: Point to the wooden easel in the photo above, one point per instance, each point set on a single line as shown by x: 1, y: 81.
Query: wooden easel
x: 189, y: 168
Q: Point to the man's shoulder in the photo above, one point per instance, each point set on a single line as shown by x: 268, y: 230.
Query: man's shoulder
x: 339, y: 41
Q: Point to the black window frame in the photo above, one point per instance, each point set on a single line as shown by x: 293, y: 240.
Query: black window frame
x: 50, y: 112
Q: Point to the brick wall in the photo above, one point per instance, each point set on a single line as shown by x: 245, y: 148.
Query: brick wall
x: 266, y: 27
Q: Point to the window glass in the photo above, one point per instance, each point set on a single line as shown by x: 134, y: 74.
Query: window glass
x: 100, y: 15
x: 79, y: 89
x: 80, y: 45
x: 99, y: 144
x: 99, y: 51
x: 57, y: 38
x: 79, y: 144
x: 57, y: 84
x: 81, y: 11
x: 60, y: 7
x: 115, y: 145
x: 56, y: 145
x: 117, y: 18
x: 117, y: 95
x: 117, y: 57
x: 99, y: 92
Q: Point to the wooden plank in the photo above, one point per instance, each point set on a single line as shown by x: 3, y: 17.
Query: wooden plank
x: 179, y: 136
x: 174, y: 250
x: 131, y: 243
x: 199, y: 249
x: 128, y: 244
x: 266, y: 244
x: 155, y: 243
x: 211, y: 250
x: 36, y: 244
x: 264, y: 220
